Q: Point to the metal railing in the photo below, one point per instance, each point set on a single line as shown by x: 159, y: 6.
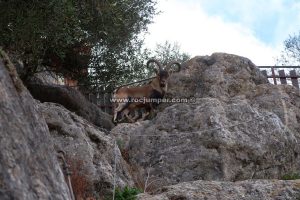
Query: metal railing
x: 282, y: 76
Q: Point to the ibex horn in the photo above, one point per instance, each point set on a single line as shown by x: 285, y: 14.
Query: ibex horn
x: 173, y: 63
x: 156, y: 62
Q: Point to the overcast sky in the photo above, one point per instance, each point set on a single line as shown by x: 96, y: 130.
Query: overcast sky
x: 252, y: 28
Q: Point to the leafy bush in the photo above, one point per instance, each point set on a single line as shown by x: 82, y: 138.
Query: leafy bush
x: 291, y: 176
x: 127, y: 193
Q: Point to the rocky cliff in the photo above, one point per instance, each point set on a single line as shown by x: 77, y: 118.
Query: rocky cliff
x: 29, y: 168
x: 239, y: 127
x: 89, y: 145
x: 234, y: 139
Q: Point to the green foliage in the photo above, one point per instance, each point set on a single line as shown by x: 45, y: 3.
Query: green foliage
x: 291, y: 53
x: 119, y: 60
x: 32, y: 28
x: 69, y: 36
x: 120, y: 143
x: 136, y: 69
x: 164, y: 52
x: 50, y: 34
x: 167, y: 52
x: 123, y: 67
x: 127, y: 193
x: 291, y: 176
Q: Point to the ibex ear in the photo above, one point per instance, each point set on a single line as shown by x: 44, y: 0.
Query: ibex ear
x: 156, y: 71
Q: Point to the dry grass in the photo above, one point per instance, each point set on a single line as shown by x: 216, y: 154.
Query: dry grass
x: 144, y: 180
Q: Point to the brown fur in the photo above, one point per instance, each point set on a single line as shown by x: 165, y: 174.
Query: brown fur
x: 157, y: 86
x: 136, y: 92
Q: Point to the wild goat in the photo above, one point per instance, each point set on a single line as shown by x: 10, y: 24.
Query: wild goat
x: 130, y: 99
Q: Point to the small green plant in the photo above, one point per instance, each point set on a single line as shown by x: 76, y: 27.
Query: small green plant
x: 291, y: 176
x: 127, y: 193
x: 120, y: 143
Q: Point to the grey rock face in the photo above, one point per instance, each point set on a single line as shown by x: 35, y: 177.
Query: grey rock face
x: 220, y: 75
x: 240, y: 127
x: 28, y: 165
x: 243, y: 190
x: 83, y: 141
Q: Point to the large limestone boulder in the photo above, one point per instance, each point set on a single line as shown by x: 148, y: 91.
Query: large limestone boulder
x: 29, y: 168
x: 219, y: 75
x: 90, y: 145
x: 241, y: 190
x: 239, y: 126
